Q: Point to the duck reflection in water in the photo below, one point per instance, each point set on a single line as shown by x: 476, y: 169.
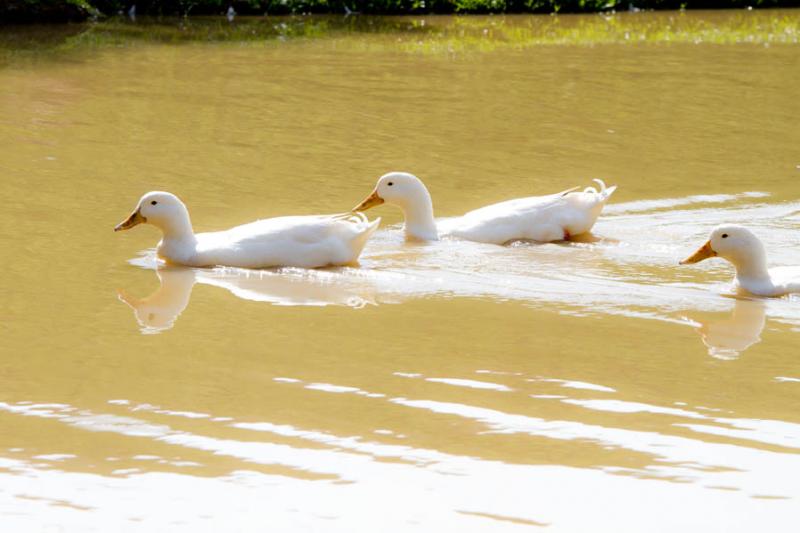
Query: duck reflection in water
x: 729, y: 337
x: 158, y: 312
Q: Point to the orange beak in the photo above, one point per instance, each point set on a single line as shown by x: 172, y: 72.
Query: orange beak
x: 704, y: 252
x: 370, y: 201
x: 134, y: 219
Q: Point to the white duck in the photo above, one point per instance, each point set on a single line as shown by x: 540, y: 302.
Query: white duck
x: 538, y: 218
x: 300, y: 241
x: 741, y: 247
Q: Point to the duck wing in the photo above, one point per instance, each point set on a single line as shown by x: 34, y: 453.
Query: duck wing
x: 301, y: 241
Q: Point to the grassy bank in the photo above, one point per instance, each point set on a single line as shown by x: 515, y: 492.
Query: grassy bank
x: 435, y: 35
x: 16, y: 11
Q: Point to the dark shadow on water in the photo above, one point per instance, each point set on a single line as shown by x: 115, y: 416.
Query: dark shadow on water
x: 39, y: 37
x: 175, y: 30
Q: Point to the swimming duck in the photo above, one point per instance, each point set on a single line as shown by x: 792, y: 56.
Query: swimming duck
x: 741, y: 247
x: 299, y: 241
x: 538, y: 218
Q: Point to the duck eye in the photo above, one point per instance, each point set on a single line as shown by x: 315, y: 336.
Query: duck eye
x: 154, y: 203
x: 390, y: 184
x: 724, y: 235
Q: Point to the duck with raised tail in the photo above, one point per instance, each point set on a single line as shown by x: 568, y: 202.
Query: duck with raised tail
x: 298, y: 241
x: 741, y: 247
x: 549, y: 218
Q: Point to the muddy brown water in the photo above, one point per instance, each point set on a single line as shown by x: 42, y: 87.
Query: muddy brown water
x: 589, y: 386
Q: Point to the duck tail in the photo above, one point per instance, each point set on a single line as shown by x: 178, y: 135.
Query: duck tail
x: 365, y: 231
x: 604, y: 193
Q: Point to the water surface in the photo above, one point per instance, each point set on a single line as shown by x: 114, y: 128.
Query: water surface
x: 592, y: 385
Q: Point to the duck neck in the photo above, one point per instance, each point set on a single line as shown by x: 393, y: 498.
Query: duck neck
x: 420, y: 223
x: 179, y: 239
x: 751, y: 265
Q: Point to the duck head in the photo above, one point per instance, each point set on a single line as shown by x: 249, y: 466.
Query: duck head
x: 407, y: 192
x: 399, y: 188
x: 735, y: 243
x: 161, y: 209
